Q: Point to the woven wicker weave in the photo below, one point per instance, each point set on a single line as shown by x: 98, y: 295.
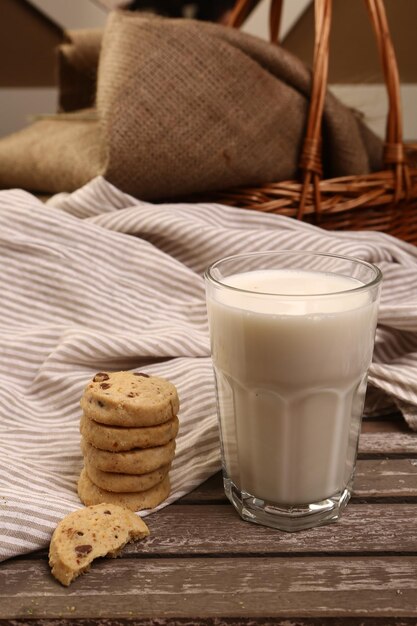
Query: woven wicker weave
x: 384, y: 201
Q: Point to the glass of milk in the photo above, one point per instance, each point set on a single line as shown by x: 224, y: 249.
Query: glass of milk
x: 292, y: 336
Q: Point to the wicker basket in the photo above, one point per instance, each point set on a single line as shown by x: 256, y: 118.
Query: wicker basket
x: 383, y: 201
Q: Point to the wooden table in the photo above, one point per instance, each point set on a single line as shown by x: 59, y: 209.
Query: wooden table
x: 203, y: 564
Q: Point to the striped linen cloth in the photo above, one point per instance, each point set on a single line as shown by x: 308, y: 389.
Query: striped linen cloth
x: 98, y: 280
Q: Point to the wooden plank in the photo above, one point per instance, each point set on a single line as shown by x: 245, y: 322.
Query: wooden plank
x: 386, y: 444
x: 385, y: 478
x: 195, y: 530
x: 214, y: 588
x: 375, y: 478
x: 218, y: 530
x: 387, y: 437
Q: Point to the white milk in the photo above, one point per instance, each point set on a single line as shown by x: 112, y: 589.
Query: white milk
x: 291, y: 377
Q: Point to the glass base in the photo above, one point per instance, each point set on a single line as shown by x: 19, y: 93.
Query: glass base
x: 287, y: 517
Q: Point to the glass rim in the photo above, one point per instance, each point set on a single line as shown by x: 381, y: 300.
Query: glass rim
x: 208, y: 274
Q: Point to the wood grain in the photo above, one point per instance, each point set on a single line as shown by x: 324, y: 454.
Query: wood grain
x: 385, y: 478
x: 218, y: 530
x: 387, y: 436
x: 203, y: 565
x: 225, y: 587
x: 402, y: 444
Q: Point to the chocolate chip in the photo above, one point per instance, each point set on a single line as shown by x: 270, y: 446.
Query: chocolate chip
x: 141, y: 374
x: 131, y: 394
x: 79, y: 533
x: 83, y: 550
x: 100, y: 403
x: 98, y: 378
x: 107, y: 512
x: 105, y: 386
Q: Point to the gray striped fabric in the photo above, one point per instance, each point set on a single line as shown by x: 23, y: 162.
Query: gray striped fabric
x: 100, y: 281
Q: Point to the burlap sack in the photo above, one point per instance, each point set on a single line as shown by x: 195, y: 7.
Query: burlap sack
x: 188, y: 107
x: 58, y: 153
x: 77, y: 69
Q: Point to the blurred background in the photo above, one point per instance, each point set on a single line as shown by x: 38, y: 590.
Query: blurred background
x: 30, y: 30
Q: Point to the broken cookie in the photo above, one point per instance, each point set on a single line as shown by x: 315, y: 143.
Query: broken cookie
x: 85, y: 534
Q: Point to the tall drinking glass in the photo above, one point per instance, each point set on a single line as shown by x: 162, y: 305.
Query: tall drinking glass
x: 292, y: 337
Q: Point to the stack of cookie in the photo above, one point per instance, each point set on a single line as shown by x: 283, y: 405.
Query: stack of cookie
x: 128, y: 429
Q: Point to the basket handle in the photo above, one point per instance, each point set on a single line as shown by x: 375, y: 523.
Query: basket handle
x: 311, y: 156
x: 394, y: 153
x: 243, y: 8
